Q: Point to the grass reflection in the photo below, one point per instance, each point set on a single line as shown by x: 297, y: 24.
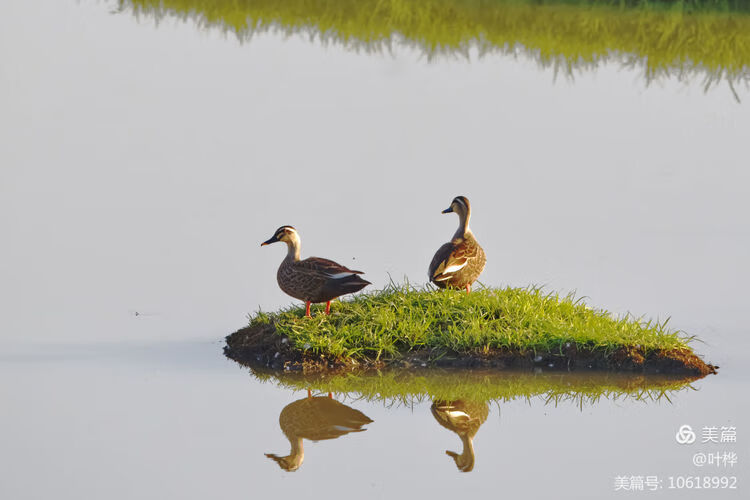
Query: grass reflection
x: 676, y: 37
x: 460, y: 399
x: 404, y: 386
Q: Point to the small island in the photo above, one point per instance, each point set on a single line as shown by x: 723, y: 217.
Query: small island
x: 490, y: 328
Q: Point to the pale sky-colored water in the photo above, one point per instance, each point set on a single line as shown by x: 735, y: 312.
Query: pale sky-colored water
x: 142, y: 166
x: 178, y: 421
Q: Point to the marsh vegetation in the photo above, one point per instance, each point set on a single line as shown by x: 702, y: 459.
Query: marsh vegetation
x: 709, y: 38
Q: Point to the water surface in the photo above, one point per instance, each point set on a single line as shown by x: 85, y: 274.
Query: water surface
x: 143, y: 162
x: 177, y: 420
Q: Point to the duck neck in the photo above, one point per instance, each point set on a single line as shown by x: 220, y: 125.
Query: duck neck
x: 463, y: 225
x: 297, y: 454
x: 468, y: 443
x: 467, y: 455
x: 293, y: 248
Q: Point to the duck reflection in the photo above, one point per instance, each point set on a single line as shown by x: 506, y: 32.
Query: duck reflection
x: 464, y: 418
x: 315, y: 418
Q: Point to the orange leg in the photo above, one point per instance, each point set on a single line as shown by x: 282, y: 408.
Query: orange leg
x: 307, y: 308
x: 309, y: 393
x: 330, y: 396
x: 328, y: 307
x: 468, y: 288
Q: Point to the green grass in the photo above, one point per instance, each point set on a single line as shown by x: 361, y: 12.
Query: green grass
x: 409, y: 386
x: 679, y: 38
x: 389, y: 323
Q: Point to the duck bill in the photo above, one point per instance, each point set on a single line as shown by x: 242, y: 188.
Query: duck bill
x: 272, y: 239
x: 447, y: 210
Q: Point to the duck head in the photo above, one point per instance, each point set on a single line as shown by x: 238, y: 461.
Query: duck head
x: 289, y: 463
x: 460, y: 205
x: 284, y: 233
x: 288, y: 235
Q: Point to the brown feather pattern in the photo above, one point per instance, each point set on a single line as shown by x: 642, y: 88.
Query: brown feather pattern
x: 476, y: 415
x: 465, y: 252
x: 320, y: 418
x: 313, y: 280
x: 315, y: 418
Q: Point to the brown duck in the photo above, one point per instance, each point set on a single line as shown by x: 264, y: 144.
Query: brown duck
x: 315, y: 418
x: 313, y: 279
x: 458, y: 263
x: 464, y: 418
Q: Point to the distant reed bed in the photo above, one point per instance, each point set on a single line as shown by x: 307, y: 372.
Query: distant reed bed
x: 676, y: 38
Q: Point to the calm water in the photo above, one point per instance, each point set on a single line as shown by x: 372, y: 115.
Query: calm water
x: 144, y: 162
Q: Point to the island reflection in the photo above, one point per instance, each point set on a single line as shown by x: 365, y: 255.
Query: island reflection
x: 710, y: 38
x: 405, y: 386
x: 460, y: 399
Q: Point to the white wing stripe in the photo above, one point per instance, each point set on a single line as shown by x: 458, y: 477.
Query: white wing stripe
x: 458, y: 414
x: 340, y: 275
x: 454, y: 267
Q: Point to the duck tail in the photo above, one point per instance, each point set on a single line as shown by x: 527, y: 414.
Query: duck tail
x: 347, y: 284
x: 355, y: 282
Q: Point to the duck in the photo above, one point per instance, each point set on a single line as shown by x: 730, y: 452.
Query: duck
x: 312, y: 280
x: 458, y: 263
x: 464, y: 418
x: 315, y: 418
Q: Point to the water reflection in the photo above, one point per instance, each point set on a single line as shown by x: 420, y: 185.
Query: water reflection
x: 409, y: 386
x: 315, y: 418
x: 680, y: 39
x: 464, y: 418
x: 460, y: 399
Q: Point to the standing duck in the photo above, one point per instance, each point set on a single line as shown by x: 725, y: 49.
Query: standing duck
x: 313, y: 279
x: 458, y: 263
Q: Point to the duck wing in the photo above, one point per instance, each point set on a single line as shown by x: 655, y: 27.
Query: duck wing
x: 448, y: 260
x: 320, y: 280
x: 325, y: 268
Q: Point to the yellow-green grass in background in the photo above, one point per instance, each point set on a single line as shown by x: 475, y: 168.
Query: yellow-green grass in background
x: 680, y: 38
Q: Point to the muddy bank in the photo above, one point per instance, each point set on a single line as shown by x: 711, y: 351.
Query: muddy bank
x: 260, y: 346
